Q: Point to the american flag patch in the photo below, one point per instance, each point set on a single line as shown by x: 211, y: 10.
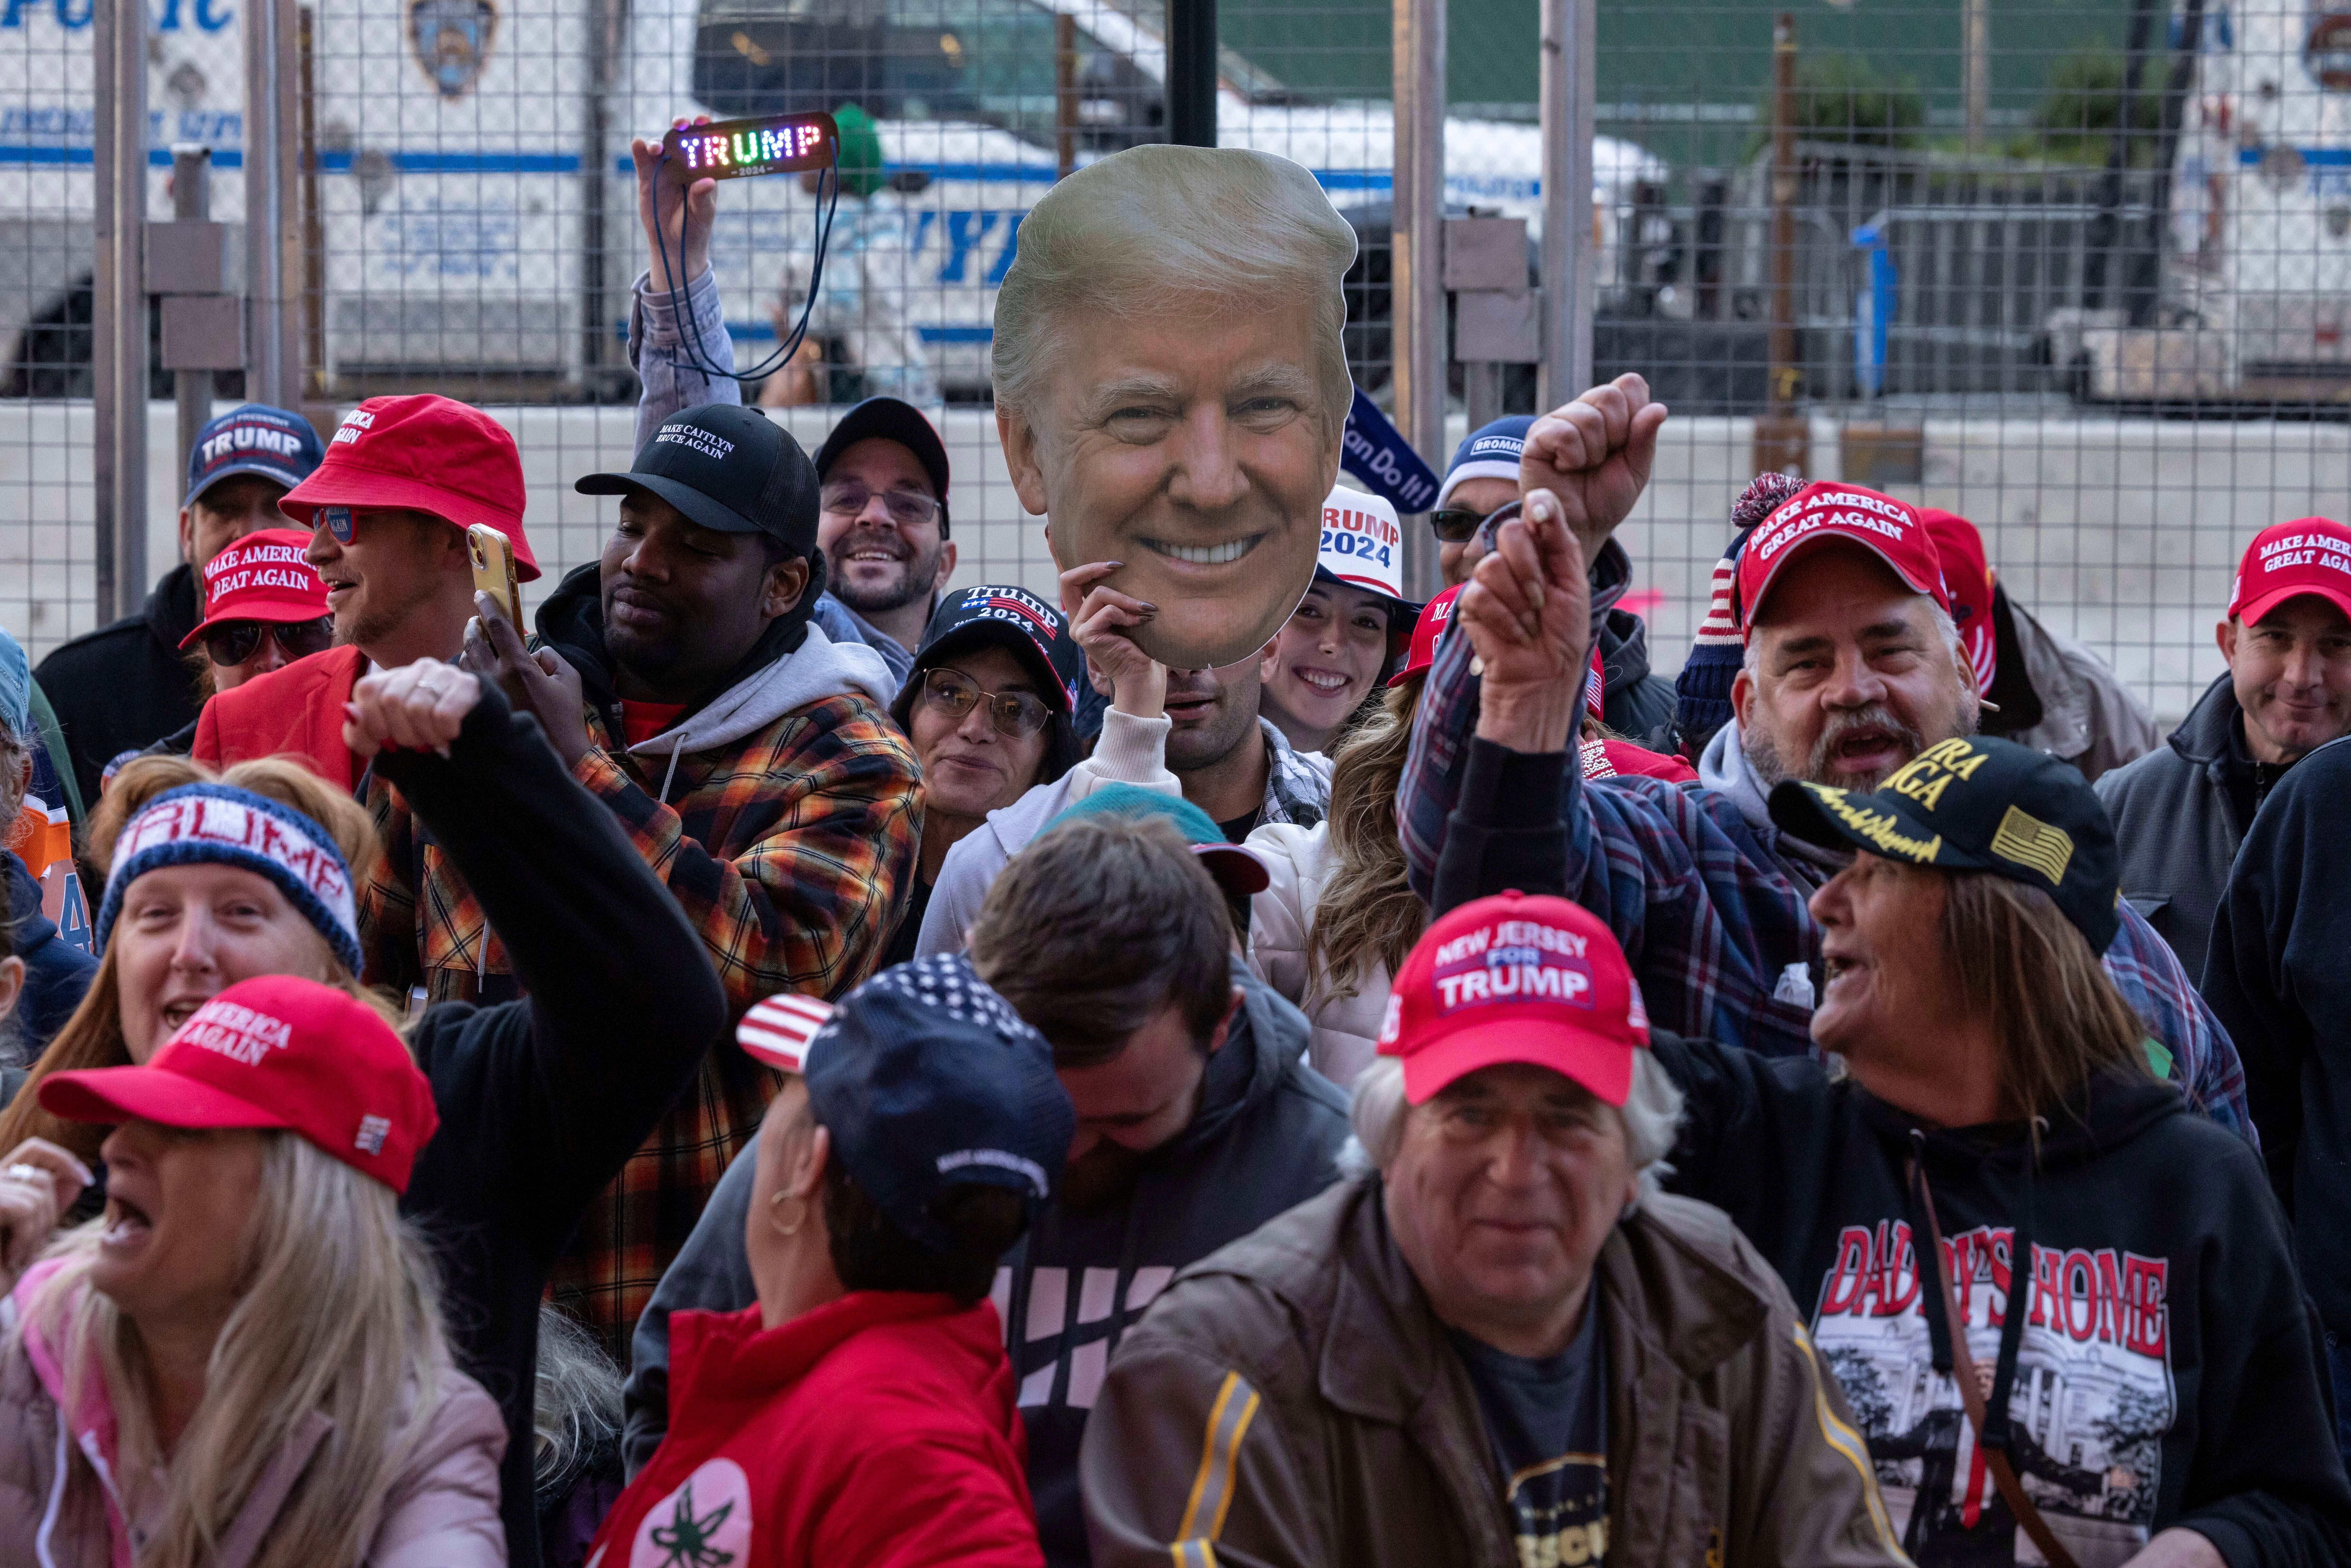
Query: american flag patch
x: 1594, y: 689
x: 777, y: 1031
x: 2027, y: 840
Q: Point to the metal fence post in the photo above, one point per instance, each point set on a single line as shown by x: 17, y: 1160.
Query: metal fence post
x: 1417, y: 265
x: 191, y: 198
x: 118, y: 311
x: 1192, y: 73
x: 1569, y: 288
x: 273, y: 233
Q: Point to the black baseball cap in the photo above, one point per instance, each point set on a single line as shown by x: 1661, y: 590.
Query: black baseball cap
x: 891, y: 419
x: 994, y: 615
x: 727, y: 467
x: 1979, y: 805
x: 928, y: 1081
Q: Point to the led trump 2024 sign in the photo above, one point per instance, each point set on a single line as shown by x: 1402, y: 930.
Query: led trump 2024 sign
x: 771, y: 144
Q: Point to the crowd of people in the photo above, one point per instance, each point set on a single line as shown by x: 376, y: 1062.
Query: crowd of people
x: 791, y: 1057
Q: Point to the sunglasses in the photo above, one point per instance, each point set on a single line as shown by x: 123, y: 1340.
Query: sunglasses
x: 234, y: 641
x: 908, y: 509
x: 1455, y: 525
x: 1016, y: 713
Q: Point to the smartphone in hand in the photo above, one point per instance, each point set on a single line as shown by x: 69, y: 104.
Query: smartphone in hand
x: 493, y: 571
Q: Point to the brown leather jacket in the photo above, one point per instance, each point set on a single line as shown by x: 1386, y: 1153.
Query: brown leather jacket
x: 1291, y: 1400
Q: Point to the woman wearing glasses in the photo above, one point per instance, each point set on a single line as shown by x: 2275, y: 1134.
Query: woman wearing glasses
x: 265, y: 607
x: 988, y: 705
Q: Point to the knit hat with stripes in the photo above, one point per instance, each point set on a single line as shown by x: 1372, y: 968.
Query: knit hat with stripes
x: 1702, y: 691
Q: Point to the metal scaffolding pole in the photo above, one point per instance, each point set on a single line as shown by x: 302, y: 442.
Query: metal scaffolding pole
x: 1568, y: 284
x: 1417, y: 265
x: 1192, y: 73
x: 273, y: 228
x: 118, y: 311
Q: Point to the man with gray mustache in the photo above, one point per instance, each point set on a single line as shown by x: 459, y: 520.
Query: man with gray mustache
x: 1851, y: 666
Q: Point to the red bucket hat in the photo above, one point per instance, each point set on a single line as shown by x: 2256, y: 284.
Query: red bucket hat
x: 1890, y: 529
x: 427, y: 453
x: 275, y: 1052
x: 2309, y: 555
x: 1516, y: 979
x: 261, y: 577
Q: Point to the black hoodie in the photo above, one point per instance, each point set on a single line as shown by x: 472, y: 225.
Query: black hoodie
x: 2166, y: 1369
x: 125, y: 686
x: 1266, y: 1138
x: 1635, y: 704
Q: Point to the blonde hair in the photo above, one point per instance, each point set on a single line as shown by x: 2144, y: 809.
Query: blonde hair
x: 92, y: 1036
x: 1158, y: 229
x: 1368, y: 912
x: 337, y: 1314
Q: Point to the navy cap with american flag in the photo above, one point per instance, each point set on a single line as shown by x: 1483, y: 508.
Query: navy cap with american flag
x: 776, y: 1032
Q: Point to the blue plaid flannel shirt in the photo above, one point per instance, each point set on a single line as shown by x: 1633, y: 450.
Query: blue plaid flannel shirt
x: 1711, y: 911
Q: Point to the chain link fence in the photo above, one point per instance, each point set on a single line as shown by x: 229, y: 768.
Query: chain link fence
x: 2077, y: 271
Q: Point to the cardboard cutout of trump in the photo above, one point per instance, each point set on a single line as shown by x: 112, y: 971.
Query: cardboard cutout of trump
x: 1172, y: 385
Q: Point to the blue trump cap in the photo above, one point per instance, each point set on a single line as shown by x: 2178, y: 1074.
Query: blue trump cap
x: 928, y: 1081
x: 253, y: 438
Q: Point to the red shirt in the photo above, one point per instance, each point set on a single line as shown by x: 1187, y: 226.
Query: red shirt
x: 640, y: 721
x: 877, y: 1431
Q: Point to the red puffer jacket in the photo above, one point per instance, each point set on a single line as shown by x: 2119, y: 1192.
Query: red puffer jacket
x: 878, y: 1430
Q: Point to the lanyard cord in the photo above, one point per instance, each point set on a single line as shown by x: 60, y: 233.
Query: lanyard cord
x: 697, y: 353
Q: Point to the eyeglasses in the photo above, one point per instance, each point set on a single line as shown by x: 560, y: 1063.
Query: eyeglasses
x: 234, y: 641
x: 908, y: 509
x: 1016, y: 713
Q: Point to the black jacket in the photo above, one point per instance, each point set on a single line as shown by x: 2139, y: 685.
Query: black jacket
x: 1267, y: 1137
x: 56, y: 974
x: 1634, y: 703
x: 2280, y: 978
x: 125, y: 686
x: 2180, y: 813
x: 541, y: 1099
x: 2166, y: 1343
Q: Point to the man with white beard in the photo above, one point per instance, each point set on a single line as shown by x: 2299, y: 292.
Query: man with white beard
x: 1850, y: 668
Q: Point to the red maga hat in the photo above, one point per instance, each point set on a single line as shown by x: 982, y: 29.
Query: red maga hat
x: 1967, y: 576
x: 2309, y: 555
x: 1890, y: 529
x: 276, y: 1052
x: 1434, y: 617
x: 1516, y: 979
x: 426, y: 452
x: 261, y: 577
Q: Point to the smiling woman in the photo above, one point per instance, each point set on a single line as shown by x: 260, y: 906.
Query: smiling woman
x: 1171, y: 384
